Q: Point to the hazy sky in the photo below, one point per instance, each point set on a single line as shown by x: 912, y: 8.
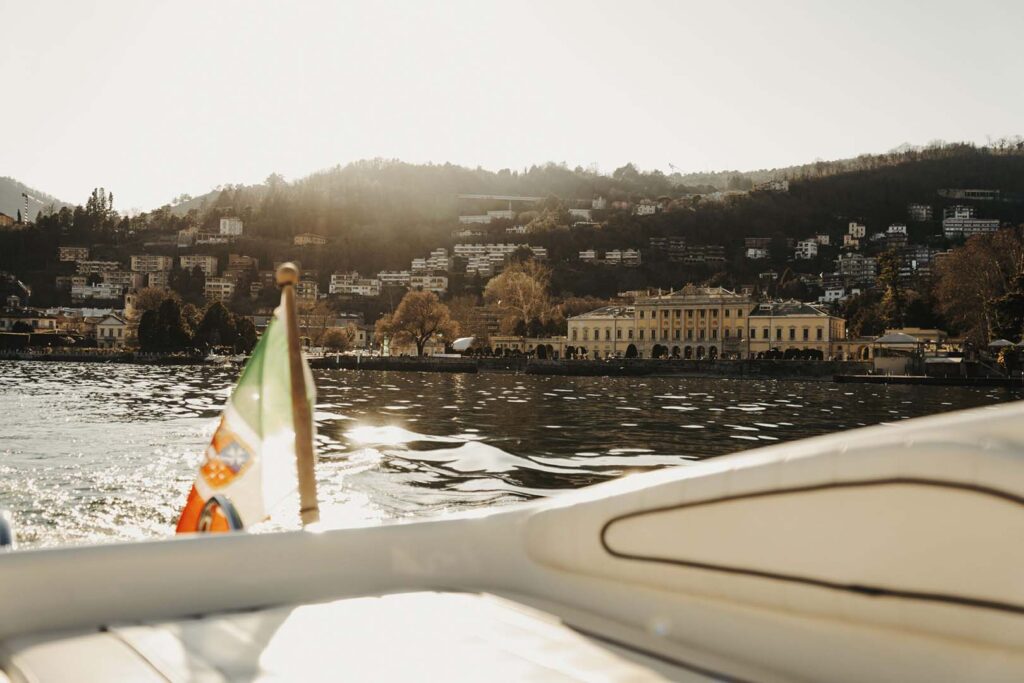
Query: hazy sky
x: 152, y: 99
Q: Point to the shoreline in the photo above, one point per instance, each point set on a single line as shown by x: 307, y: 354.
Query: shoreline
x: 635, y: 367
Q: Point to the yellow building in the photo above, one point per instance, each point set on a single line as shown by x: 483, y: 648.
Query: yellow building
x: 705, y: 322
x: 791, y: 326
x: 604, y: 332
x: 692, y: 322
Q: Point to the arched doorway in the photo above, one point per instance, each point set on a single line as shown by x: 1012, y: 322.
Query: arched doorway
x: 542, y: 352
x: 712, y: 353
x: 631, y: 351
x: 700, y: 352
x: 688, y: 352
x: 675, y: 352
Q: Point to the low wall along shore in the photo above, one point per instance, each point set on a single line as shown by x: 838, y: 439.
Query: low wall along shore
x: 783, y: 369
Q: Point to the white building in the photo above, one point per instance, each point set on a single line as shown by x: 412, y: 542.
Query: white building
x: 231, y: 227
x: 219, y: 288
x: 102, y: 290
x: 151, y: 263
x: 897, y: 229
x: 207, y: 264
x: 598, y: 204
x: 394, y: 278
x: 806, y: 249
x: 962, y: 223
x: 581, y: 214
x: 468, y: 220
x: 822, y: 239
x: 589, y: 255
x: 352, y: 284
x: 856, y: 230
x: 516, y: 230
x: 123, y: 278
x: 504, y: 213
x: 630, y: 257
x: 430, y: 283
x: 757, y: 253
x: 645, y: 207
x: 111, y: 332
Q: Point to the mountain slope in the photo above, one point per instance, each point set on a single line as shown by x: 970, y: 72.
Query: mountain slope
x: 11, y: 200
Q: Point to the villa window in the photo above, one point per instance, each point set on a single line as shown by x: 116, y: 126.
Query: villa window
x: 807, y: 334
x: 676, y: 335
x: 819, y: 334
x: 701, y: 335
x: 714, y: 333
x: 727, y: 313
x: 714, y: 313
x: 689, y: 313
x: 778, y: 333
x: 689, y: 335
x: 629, y: 334
x: 641, y: 314
x: 792, y: 334
x: 739, y: 333
x: 678, y: 312
x: 641, y: 334
x: 664, y: 313
x: 574, y: 335
x: 586, y: 334
x: 618, y: 334
x: 607, y: 334
x: 739, y: 312
x: 703, y: 313
x: 597, y: 334
x: 727, y: 333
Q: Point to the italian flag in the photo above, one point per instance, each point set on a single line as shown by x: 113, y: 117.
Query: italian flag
x: 251, y: 458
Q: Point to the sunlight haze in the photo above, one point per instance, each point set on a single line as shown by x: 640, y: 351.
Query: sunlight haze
x: 152, y: 100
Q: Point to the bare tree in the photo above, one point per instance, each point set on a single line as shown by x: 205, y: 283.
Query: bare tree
x: 419, y: 316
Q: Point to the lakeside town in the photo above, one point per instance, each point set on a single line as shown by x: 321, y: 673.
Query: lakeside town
x: 201, y: 282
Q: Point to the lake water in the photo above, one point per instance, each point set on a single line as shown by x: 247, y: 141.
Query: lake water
x: 93, y: 452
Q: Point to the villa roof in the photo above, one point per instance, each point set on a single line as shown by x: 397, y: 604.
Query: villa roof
x: 607, y: 312
x: 777, y: 309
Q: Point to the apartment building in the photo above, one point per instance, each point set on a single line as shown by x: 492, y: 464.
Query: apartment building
x: 430, y: 283
x: 219, y: 288
x: 68, y: 254
x: 207, y: 264
x: 151, y: 263
x: 231, y: 227
x: 95, y: 267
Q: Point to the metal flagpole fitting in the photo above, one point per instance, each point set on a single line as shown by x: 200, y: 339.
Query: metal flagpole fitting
x: 287, y: 277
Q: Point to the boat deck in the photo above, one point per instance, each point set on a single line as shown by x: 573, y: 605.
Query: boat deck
x: 402, y: 637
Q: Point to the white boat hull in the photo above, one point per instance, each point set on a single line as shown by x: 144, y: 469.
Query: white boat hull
x: 887, y: 553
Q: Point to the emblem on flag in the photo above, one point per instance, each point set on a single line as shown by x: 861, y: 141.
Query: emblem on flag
x: 226, y: 458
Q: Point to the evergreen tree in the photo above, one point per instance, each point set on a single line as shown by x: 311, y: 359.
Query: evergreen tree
x: 173, y: 335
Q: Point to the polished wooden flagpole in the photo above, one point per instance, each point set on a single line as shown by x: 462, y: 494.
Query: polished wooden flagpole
x: 309, y: 509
